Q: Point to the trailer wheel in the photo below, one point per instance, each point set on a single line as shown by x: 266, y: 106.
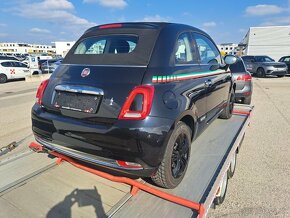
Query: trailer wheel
x: 175, y: 161
x: 3, y: 78
x: 232, y: 167
x: 221, y: 194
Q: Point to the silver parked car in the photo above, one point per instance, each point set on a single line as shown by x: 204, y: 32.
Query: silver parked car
x: 243, y: 80
x: 263, y: 66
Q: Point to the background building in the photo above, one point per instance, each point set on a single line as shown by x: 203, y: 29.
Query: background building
x: 273, y: 41
x: 25, y: 48
x: 63, y: 47
x: 230, y: 48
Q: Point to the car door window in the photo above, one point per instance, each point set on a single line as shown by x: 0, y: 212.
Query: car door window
x: 22, y: 65
x: 15, y: 64
x: 208, y: 52
x: 183, y: 54
x: 248, y: 59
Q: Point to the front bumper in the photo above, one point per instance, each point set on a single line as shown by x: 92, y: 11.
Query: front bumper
x: 142, y: 142
x: 270, y: 70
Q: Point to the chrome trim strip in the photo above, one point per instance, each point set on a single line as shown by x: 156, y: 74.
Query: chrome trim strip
x: 80, y: 89
x: 108, y: 65
x: 82, y: 156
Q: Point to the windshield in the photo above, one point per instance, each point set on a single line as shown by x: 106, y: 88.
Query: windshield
x: 263, y: 59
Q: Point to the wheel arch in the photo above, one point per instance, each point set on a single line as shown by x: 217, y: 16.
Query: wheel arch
x: 190, y: 120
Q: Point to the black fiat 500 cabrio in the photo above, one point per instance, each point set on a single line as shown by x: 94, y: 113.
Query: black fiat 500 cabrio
x: 131, y: 97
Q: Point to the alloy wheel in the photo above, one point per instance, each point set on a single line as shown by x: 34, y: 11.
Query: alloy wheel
x: 180, y: 156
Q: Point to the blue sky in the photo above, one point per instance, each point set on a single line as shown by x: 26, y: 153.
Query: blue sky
x: 45, y: 21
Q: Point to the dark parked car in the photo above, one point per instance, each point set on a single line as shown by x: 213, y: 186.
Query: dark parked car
x: 263, y: 66
x: 131, y: 97
x: 243, y: 81
x: 286, y: 60
x: 48, y: 66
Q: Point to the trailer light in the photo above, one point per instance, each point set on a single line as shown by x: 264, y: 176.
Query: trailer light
x: 126, y: 164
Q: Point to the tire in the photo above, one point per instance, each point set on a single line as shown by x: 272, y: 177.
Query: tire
x: 247, y: 100
x: 175, y: 161
x: 280, y: 76
x: 261, y: 72
x: 228, y: 110
x: 232, y: 167
x: 219, y: 199
x: 3, y: 78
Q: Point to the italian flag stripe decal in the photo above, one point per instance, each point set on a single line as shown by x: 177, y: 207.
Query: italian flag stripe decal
x: 186, y: 76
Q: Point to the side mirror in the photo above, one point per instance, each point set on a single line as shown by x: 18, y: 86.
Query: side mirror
x: 230, y: 59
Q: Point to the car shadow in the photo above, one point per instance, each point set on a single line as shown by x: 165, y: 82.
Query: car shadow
x: 81, y: 197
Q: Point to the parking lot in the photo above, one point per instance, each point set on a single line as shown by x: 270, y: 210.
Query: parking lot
x: 260, y: 187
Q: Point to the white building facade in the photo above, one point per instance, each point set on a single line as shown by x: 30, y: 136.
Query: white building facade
x: 63, y: 47
x: 230, y: 48
x: 273, y: 41
x: 25, y: 48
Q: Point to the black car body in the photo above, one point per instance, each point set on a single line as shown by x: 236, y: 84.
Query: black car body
x: 49, y: 66
x: 286, y: 60
x: 125, y: 90
x: 243, y: 81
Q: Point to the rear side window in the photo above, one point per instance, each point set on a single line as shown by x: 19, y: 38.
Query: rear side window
x: 208, y: 52
x: 6, y: 64
x: 183, y: 52
x: 107, y: 45
x: 237, y: 67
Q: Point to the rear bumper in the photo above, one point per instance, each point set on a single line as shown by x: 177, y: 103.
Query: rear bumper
x: 142, y: 142
x: 244, y: 93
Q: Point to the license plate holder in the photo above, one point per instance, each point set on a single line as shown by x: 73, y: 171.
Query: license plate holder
x: 81, y: 102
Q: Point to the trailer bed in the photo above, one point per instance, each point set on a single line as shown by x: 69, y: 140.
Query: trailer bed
x: 210, y: 155
x: 64, y: 190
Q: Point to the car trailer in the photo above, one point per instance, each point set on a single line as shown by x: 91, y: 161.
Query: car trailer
x: 212, y: 163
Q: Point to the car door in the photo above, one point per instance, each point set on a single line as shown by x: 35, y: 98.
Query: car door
x: 24, y: 68
x: 286, y: 60
x: 20, y: 70
x: 191, y: 85
x: 217, y: 81
x: 8, y: 69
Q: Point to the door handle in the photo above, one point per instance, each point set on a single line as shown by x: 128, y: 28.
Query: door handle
x: 208, y: 83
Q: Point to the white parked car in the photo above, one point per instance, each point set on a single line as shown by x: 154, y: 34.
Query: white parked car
x: 10, y: 69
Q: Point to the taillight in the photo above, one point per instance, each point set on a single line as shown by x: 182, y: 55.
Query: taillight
x: 40, y: 91
x: 129, y: 113
x: 246, y: 77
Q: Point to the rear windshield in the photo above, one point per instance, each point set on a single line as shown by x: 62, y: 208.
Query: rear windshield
x: 106, y: 45
x: 237, y: 67
x: 114, y: 47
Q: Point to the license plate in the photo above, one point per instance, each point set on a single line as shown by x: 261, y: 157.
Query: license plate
x: 76, y: 101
